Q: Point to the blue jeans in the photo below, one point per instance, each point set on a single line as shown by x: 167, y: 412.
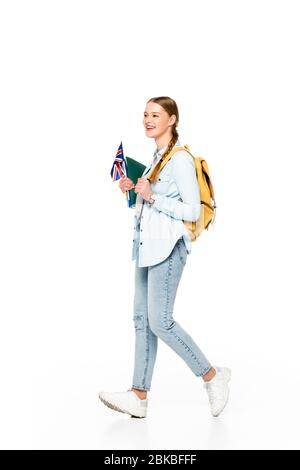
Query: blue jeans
x: 155, y: 292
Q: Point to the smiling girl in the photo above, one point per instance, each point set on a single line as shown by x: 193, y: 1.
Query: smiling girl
x: 161, y: 244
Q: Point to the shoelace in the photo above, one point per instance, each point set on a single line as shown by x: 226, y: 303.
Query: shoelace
x: 212, y: 390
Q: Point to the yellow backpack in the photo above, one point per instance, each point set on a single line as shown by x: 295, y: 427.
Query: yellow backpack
x: 208, y: 203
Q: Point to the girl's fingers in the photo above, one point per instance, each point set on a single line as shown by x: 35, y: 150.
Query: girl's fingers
x: 126, y: 184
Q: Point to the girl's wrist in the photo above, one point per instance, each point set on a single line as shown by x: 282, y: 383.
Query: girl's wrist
x: 151, y: 198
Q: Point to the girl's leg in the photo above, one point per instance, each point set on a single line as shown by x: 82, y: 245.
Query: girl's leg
x: 145, y: 339
x: 163, y: 280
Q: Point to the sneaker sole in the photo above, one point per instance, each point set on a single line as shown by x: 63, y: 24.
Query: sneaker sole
x: 117, y: 408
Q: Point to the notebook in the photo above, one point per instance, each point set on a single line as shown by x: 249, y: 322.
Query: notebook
x: 135, y: 170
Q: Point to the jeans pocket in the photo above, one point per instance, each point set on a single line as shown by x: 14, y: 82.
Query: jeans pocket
x: 182, y: 251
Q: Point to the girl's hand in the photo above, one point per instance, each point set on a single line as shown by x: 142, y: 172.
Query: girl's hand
x: 143, y: 187
x: 125, y: 184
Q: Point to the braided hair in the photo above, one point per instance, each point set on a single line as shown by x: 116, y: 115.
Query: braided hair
x: 170, y: 106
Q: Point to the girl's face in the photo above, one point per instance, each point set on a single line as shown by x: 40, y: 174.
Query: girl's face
x: 157, y: 121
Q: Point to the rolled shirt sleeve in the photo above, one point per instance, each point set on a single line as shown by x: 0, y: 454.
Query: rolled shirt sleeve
x: 184, y: 173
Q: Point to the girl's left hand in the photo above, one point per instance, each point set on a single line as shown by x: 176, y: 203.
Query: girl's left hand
x: 143, y: 187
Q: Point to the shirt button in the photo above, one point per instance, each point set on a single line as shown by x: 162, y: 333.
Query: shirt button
x: 141, y: 243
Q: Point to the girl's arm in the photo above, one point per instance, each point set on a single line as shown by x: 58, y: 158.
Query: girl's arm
x: 184, y: 173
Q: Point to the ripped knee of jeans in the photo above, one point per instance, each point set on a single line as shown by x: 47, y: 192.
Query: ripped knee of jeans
x: 139, y: 321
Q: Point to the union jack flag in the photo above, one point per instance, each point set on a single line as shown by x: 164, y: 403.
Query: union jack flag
x: 119, y: 169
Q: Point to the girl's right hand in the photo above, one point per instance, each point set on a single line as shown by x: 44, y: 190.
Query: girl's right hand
x: 125, y: 184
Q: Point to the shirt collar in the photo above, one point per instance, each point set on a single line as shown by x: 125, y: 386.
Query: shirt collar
x: 158, y: 153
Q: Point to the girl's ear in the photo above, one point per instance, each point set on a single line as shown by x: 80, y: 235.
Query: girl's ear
x: 173, y: 119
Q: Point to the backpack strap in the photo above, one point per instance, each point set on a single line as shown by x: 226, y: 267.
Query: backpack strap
x: 163, y: 162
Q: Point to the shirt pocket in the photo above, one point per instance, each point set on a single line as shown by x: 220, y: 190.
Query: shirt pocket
x: 162, y: 183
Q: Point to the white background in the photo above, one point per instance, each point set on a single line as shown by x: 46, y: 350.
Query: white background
x: 75, y: 79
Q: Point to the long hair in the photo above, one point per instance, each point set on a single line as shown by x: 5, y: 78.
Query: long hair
x: 170, y: 107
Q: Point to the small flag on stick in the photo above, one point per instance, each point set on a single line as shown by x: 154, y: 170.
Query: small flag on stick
x: 129, y: 167
x: 119, y: 169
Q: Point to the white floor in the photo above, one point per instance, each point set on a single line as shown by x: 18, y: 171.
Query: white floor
x: 261, y: 413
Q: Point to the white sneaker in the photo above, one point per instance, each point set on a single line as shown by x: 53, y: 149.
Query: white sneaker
x: 218, y: 390
x: 125, y: 402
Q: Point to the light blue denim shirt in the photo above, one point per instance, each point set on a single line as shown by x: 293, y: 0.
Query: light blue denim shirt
x: 158, y: 226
